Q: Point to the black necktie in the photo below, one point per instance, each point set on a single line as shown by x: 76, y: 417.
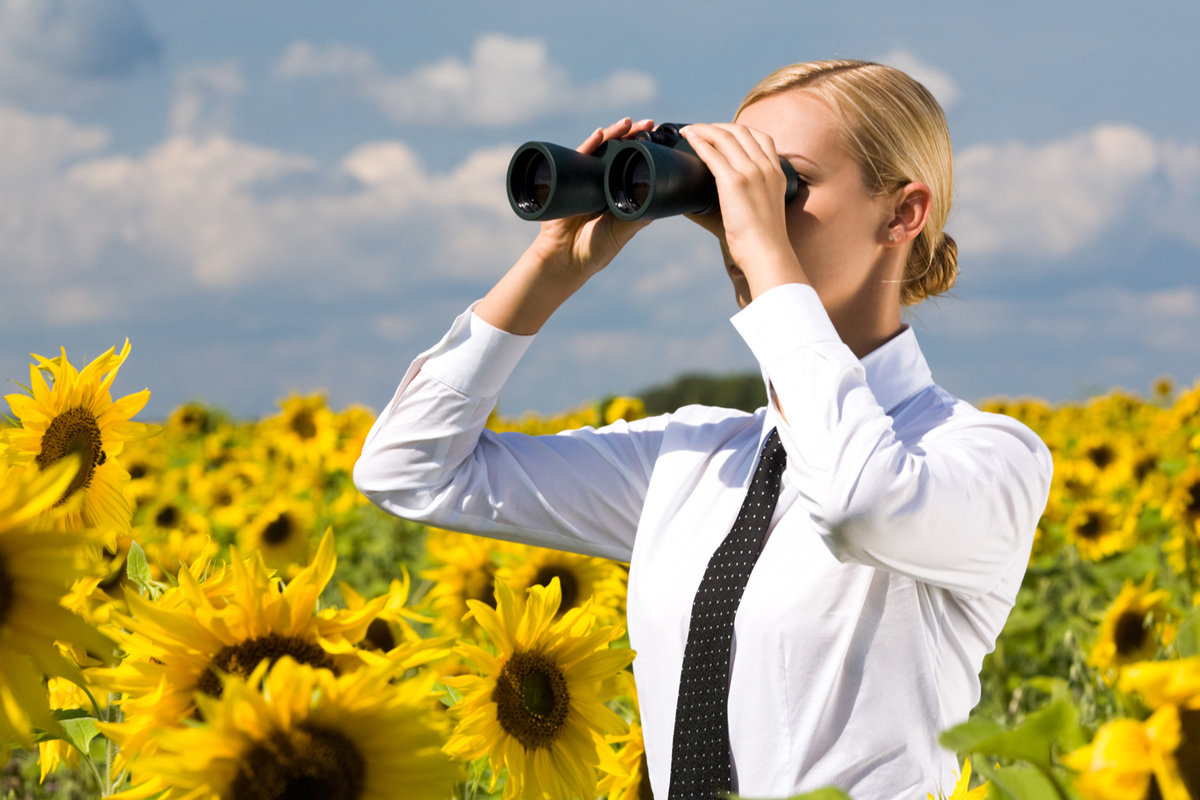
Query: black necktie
x: 700, y: 764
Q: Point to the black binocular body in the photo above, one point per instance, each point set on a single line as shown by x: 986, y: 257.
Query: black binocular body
x: 654, y: 174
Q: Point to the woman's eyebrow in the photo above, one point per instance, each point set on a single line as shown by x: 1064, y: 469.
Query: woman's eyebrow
x: 798, y: 157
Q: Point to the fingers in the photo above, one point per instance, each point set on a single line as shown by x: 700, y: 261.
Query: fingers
x: 621, y: 129
x: 730, y: 148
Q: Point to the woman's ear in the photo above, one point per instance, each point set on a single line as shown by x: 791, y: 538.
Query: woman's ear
x: 911, y: 211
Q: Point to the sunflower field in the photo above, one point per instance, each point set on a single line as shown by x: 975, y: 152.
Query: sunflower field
x: 207, y: 608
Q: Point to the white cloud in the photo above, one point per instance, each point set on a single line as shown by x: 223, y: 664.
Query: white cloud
x: 1056, y: 198
x: 506, y: 81
x: 32, y: 145
x: 203, y: 99
x: 937, y: 81
x: 221, y: 213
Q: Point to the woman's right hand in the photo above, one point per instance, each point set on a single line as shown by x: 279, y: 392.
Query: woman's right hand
x: 579, y: 247
x: 564, y: 255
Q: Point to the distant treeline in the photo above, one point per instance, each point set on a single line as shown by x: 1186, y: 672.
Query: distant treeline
x: 743, y: 391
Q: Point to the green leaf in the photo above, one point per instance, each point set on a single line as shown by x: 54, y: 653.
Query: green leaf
x: 137, y: 567
x: 1132, y: 565
x: 1187, y: 641
x: 1053, y: 726
x: 80, y: 733
x: 1018, y: 783
x: 61, y: 714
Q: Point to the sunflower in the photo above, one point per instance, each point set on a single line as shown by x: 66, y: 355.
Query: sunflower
x: 394, y: 623
x: 191, y: 420
x: 290, y: 730
x: 1181, y: 506
x: 1160, y: 683
x: 1133, y: 627
x: 78, y: 416
x: 37, y: 567
x: 303, y: 433
x: 624, y: 408
x: 1183, y: 503
x: 172, y: 531
x: 634, y: 784
x: 1131, y: 759
x: 191, y: 636
x: 227, y: 492
x: 580, y: 577
x: 1175, y: 686
x: 1099, y: 529
x: 282, y: 533
x: 464, y: 569
x: 538, y: 710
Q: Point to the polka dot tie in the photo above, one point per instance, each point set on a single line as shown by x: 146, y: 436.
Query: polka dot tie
x: 700, y: 761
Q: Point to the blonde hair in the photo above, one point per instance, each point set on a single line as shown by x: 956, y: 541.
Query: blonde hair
x: 897, y: 133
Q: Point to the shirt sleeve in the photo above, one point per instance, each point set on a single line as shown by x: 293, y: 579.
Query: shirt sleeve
x: 952, y: 507
x: 430, y: 458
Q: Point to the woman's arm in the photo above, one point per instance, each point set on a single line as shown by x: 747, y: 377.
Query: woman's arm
x: 429, y: 457
x: 565, y: 254
x: 939, y: 491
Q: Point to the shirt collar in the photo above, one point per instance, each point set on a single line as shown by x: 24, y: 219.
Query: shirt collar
x: 896, y: 370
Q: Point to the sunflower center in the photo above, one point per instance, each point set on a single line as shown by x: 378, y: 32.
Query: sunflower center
x: 278, y: 530
x: 1143, y: 467
x: 1129, y: 634
x: 7, y: 593
x: 1193, y: 505
x: 1101, y: 455
x: 1091, y: 527
x: 303, y: 424
x: 1187, y: 755
x: 167, y: 517
x: 74, y: 431
x: 531, y: 699
x: 307, y: 762
x: 481, y: 585
x: 243, y: 657
x: 567, y: 581
x: 379, y: 635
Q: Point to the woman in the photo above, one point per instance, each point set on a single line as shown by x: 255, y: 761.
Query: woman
x: 904, y: 518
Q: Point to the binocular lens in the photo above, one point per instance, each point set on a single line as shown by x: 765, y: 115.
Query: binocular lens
x: 630, y: 181
x: 534, y: 181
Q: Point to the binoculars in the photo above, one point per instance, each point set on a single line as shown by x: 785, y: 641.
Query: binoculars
x: 654, y: 174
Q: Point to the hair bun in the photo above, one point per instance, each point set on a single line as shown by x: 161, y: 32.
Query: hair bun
x: 930, y: 274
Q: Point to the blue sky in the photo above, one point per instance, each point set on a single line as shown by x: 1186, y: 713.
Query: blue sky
x: 279, y: 197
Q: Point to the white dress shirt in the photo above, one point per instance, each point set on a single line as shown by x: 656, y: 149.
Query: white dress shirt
x: 902, y: 533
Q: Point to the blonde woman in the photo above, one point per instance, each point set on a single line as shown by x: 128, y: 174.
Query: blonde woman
x: 898, y: 534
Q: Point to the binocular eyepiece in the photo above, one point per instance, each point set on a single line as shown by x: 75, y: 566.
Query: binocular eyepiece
x: 655, y: 174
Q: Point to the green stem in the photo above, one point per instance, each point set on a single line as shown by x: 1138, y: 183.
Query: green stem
x: 111, y: 714
x: 1049, y: 775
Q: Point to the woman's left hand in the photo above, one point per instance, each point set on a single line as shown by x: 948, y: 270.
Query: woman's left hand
x: 751, y: 187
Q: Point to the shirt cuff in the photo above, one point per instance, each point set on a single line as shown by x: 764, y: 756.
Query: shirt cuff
x: 783, y: 320
x: 475, y: 358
